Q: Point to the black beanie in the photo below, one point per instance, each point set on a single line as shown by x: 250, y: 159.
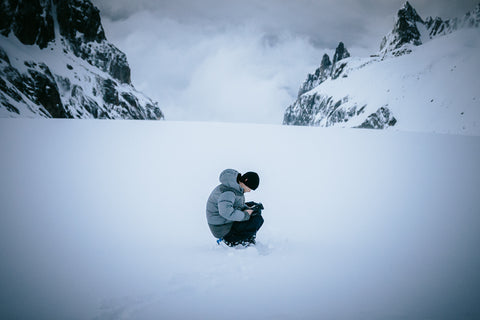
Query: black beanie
x: 250, y: 179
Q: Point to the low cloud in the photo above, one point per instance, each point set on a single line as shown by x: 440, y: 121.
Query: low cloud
x: 325, y: 22
x: 237, y: 74
x: 243, y: 61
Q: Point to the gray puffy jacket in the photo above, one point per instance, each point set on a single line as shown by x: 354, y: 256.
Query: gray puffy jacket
x: 226, y: 204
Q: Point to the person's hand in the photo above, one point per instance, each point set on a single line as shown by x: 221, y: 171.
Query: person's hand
x: 249, y: 212
x: 250, y: 204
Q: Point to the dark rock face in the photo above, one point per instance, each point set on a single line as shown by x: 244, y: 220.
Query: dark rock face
x: 405, y: 30
x: 44, y: 90
x: 437, y: 26
x: 7, y: 94
x: 406, y: 26
x: 37, y: 85
x: 79, y: 16
x: 320, y: 110
x: 303, y: 111
x: 340, y: 53
x: 85, y: 92
x: 110, y: 95
x: 320, y: 75
x: 106, y: 57
x: 79, y: 23
x: 31, y: 21
x: 325, y: 64
x: 324, y: 111
x: 381, y: 119
x: 327, y: 69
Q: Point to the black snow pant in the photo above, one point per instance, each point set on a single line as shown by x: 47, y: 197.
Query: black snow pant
x: 244, y: 230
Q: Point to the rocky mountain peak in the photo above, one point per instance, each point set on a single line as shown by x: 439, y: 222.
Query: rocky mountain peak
x: 437, y: 26
x: 320, y: 75
x: 407, y: 12
x: 326, y: 70
x: 340, y: 53
x: 326, y: 63
x: 404, y: 32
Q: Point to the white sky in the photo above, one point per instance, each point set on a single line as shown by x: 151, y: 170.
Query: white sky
x: 243, y: 61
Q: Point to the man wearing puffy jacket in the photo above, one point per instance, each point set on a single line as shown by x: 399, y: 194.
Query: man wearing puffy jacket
x: 228, y: 217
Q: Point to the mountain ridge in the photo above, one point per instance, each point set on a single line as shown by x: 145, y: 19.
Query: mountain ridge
x: 346, y: 100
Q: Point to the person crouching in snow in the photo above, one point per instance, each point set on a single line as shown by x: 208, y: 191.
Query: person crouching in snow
x: 231, y: 219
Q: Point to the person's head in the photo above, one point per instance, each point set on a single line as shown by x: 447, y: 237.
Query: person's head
x: 249, y: 181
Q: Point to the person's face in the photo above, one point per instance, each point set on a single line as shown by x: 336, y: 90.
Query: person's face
x: 244, y: 187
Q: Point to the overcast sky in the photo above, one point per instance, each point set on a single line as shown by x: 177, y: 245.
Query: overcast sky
x: 243, y: 61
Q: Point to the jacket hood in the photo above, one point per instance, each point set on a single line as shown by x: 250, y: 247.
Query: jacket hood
x: 229, y: 178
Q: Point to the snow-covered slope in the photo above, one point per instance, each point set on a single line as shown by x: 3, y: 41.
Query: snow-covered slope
x: 104, y: 220
x: 56, y: 62
x: 423, y: 79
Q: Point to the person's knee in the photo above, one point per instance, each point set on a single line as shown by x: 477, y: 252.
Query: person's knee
x: 258, y: 221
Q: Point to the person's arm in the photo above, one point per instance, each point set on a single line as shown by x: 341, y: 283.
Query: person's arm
x: 226, y: 209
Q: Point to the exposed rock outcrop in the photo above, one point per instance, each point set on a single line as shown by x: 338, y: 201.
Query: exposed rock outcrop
x: 66, y: 68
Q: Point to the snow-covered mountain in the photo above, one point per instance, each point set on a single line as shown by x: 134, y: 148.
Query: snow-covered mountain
x: 424, y: 78
x: 55, y: 61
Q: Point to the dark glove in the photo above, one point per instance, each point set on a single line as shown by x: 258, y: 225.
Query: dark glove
x: 257, y: 208
x: 250, y: 204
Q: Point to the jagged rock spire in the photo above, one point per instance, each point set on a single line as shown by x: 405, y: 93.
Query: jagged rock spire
x: 320, y: 75
x: 405, y: 30
x: 437, y: 26
x: 325, y: 70
x: 340, y: 53
x: 325, y: 62
x: 408, y: 12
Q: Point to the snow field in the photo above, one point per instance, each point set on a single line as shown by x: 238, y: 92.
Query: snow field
x: 106, y: 220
